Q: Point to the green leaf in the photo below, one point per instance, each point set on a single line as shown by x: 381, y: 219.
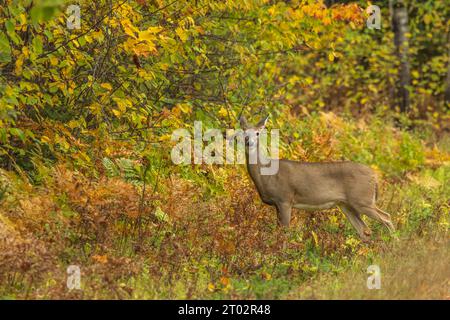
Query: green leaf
x: 18, y: 133
x: 161, y: 215
x: 9, y: 25
x: 43, y: 11
x: 37, y: 45
x: 10, y: 30
x: 3, y: 136
x: 5, y: 48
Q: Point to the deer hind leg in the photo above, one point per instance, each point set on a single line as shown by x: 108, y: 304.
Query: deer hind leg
x: 284, y: 213
x: 377, y: 214
x: 356, y: 221
x: 387, y: 219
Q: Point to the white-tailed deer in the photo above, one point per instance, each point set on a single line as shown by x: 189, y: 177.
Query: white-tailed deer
x: 312, y: 186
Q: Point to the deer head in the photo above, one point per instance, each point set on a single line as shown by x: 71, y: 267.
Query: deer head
x: 252, y: 133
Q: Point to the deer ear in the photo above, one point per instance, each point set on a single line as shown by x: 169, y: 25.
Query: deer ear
x: 243, y: 122
x: 263, y: 122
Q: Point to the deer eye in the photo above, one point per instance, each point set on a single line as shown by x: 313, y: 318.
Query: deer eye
x: 257, y: 134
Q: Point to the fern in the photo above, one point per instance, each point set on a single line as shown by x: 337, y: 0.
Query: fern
x: 124, y: 168
x: 129, y: 171
x: 110, y: 168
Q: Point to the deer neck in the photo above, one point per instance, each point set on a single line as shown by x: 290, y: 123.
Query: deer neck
x: 254, y: 169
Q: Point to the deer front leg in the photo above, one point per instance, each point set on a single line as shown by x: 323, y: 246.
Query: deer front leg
x: 284, y: 213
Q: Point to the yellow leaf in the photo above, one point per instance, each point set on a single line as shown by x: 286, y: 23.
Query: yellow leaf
x: 106, y: 86
x: 53, y: 61
x: 266, y: 276
x: 45, y: 139
x: 294, y: 79
x: 73, y: 124
x: 427, y: 18
x: 316, y: 241
x: 331, y: 56
x: 96, y: 108
x: 223, y: 112
x: 22, y: 19
x: 183, y: 107
x: 129, y: 28
x: 165, y: 137
x: 146, y: 36
x: 26, y: 52
x: 19, y: 64
x: 272, y: 10
x: 182, y: 34
x: 123, y: 104
x: 149, y: 34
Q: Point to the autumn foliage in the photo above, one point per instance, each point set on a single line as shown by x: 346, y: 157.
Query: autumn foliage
x: 86, y: 117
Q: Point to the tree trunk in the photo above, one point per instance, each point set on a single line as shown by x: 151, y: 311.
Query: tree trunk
x: 400, y: 27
